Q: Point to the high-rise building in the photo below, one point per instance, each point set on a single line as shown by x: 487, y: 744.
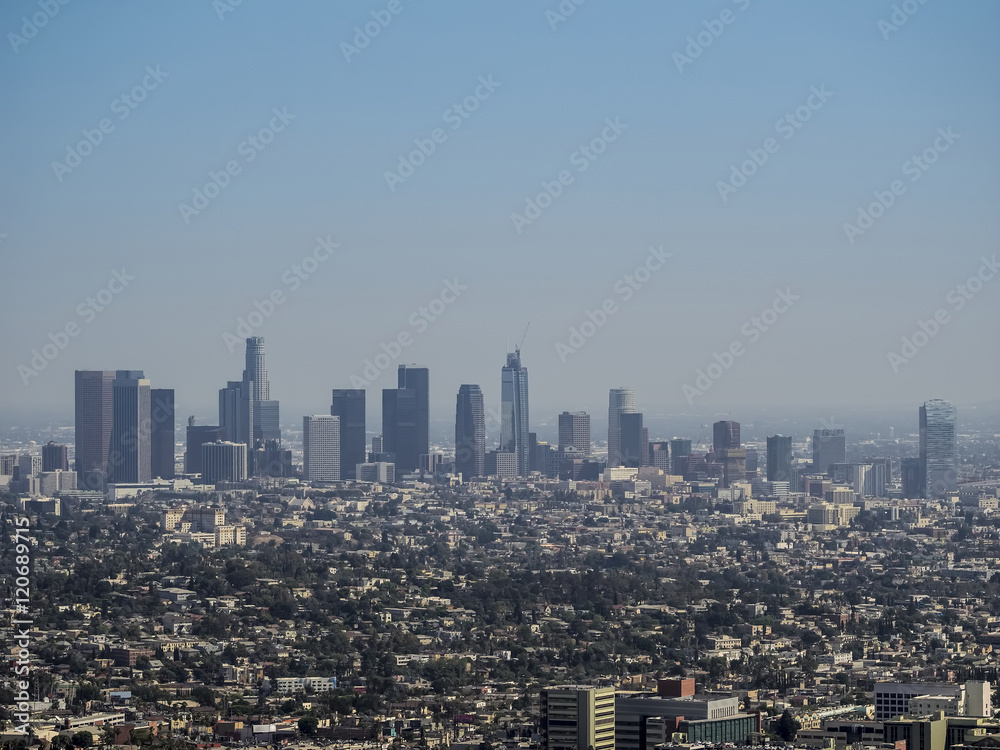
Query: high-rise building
x: 406, y: 418
x: 913, y: 487
x: 829, y: 447
x: 236, y: 413
x: 734, y: 464
x: 514, y: 411
x: 620, y: 401
x: 779, y: 458
x: 161, y: 439
x: 633, y: 447
x: 659, y: 455
x: 680, y: 454
x: 94, y: 418
x: 725, y: 434
x: 265, y: 411
x: 349, y: 405
x: 938, y: 448
x: 197, y: 436
x: 574, y: 431
x: 223, y: 462
x: 55, y: 457
x: 578, y: 717
x: 130, y: 457
x: 470, y: 432
x: 321, y: 441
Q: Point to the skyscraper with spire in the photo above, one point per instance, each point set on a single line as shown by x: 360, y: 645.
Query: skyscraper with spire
x: 514, y: 410
x: 246, y: 413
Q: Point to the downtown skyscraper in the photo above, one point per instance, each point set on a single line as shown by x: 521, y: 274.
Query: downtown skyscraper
x: 938, y: 448
x: 130, y: 458
x: 246, y: 413
x: 574, y: 431
x: 349, y: 405
x: 470, y: 432
x: 406, y: 418
x: 514, y: 411
x: 779, y: 458
x: 94, y: 417
x: 620, y: 401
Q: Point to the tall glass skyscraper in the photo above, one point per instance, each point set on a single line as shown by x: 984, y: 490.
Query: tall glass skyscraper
x: 406, y: 418
x: 470, y: 433
x: 779, y: 458
x: 938, y: 449
x: 94, y: 416
x: 349, y: 405
x: 130, y: 457
x: 620, y: 401
x: 514, y: 411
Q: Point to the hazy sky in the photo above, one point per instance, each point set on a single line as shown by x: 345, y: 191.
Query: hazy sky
x: 831, y: 103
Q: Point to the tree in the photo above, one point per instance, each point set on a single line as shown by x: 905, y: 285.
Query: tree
x: 308, y: 725
x: 82, y: 739
x: 788, y: 726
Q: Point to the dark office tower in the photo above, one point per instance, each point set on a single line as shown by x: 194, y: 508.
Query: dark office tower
x: 533, y: 452
x: 829, y: 447
x: 752, y: 464
x: 680, y: 452
x: 938, y: 450
x: 725, y: 434
x: 470, y: 433
x: 633, y: 448
x: 55, y: 457
x: 197, y: 436
x: 349, y: 405
x: 574, y: 431
x: 406, y: 419
x: 94, y: 418
x: 161, y: 439
x: 913, y: 486
x: 734, y: 464
x: 514, y: 411
x: 236, y: 413
x: 130, y: 457
x: 779, y: 458
x: 620, y: 401
x: 659, y: 455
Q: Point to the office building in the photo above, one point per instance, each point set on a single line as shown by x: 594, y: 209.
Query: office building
x: 162, y: 439
x: 265, y: 411
x: 514, y: 412
x: 659, y: 455
x: 321, y: 441
x: 223, y: 462
x: 28, y: 465
x: 129, y: 460
x: 502, y: 464
x: 55, y: 457
x: 620, y: 401
x: 645, y: 720
x: 349, y: 405
x: 829, y: 447
x: 406, y: 418
x: 470, y: 432
x: 633, y: 440
x: 893, y: 698
x: 94, y: 410
x: 236, y: 413
x: 734, y: 465
x: 197, y: 436
x: 910, y: 476
x: 938, y: 449
x: 725, y: 435
x: 574, y: 431
x: 377, y: 471
x: 577, y: 717
x: 779, y: 459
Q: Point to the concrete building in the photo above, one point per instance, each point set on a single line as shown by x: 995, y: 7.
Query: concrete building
x: 578, y: 717
x: 321, y: 438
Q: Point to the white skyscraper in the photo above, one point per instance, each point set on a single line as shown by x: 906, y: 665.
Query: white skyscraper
x: 514, y: 411
x: 620, y: 401
x: 321, y: 436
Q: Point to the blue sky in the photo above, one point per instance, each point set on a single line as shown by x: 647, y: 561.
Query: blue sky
x: 323, y: 175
